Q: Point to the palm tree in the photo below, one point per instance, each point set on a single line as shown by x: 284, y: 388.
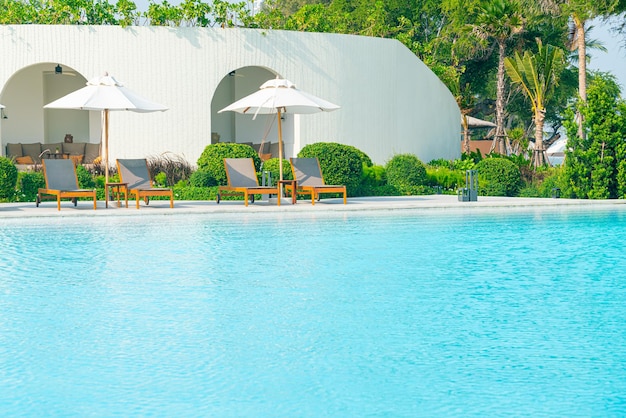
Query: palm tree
x: 580, y: 12
x: 500, y: 21
x: 537, y: 75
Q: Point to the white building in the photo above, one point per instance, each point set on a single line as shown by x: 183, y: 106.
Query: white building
x: 390, y: 101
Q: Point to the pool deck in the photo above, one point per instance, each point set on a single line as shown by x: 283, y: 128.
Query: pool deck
x: 428, y: 202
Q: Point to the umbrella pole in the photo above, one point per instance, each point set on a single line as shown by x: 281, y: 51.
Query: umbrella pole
x: 106, y: 145
x: 280, y: 148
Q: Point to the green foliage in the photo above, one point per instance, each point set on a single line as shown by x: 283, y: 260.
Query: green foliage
x: 441, y: 162
x: 160, y: 180
x: 498, y: 177
x: 8, y: 178
x: 202, y: 178
x: 553, y: 180
x: 444, y: 177
x: 595, y: 167
x: 28, y: 184
x: 365, y: 159
x: 184, y: 192
x: 85, y: 179
x: 340, y: 164
x: 212, y: 159
x: 374, y: 175
x: 273, y: 166
x: 373, y: 182
x: 407, y: 174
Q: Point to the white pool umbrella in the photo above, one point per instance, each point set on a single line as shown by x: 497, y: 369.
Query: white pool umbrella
x: 105, y: 94
x: 280, y: 96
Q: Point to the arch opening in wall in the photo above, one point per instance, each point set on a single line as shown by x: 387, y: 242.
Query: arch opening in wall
x: 261, y: 131
x: 25, y: 94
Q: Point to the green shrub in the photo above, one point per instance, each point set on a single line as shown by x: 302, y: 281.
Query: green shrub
x: 340, y: 164
x: 374, y: 175
x: 212, y: 159
x: 498, y: 177
x: 529, y: 190
x: 8, y: 178
x: 202, y: 178
x: 85, y: 179
x: 194, y: 193
x: 444, y: 177
x: 28, y: 184
x: 365, y: 159
x: 160, y: 179
x: 273, y: 166
x: 407, y: 173
x: 441, y: 162
x: 553, y: 180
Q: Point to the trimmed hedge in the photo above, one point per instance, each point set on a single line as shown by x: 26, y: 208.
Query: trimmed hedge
x: 407, y: 174
x: 202, y: 178
x: 340, y: 164
x: 498, y: 177
x: 8, y: 178
x: 212, y: 159
x: 29, y: 182
x: 273, y: 166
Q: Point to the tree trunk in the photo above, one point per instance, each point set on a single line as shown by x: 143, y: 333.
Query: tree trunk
x: 466, y: 137
x: 582, y: 69
x: 539, y: 154
x: 499, y: 135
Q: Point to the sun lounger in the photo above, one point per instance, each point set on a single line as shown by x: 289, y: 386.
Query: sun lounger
x: 242, y: 179
x: 308, y: 175
x: 135, y: 173
x: 62, y: 182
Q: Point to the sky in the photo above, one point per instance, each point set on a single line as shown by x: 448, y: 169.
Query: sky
x: 613, y: 61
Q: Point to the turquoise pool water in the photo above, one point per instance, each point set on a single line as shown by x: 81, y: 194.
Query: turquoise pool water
x: 399, y: 314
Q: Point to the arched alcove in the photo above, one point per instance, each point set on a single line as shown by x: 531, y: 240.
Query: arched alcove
x: 24, y: 96
x: 248, y: 129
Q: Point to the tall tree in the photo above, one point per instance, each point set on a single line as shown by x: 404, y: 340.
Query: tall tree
x: 498, y: 22
x: 580, y: 12
x: 596, y: 166
x: 537, y: 75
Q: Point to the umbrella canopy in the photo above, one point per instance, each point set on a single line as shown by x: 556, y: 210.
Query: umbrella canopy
x: 105, y: 94
x: 280, y: 96
x: 473, y: 122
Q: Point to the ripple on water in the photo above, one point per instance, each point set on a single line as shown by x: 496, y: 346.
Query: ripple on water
x: 405, y: 314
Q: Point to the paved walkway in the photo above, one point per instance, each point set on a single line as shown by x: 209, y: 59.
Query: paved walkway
x: 447, y: 202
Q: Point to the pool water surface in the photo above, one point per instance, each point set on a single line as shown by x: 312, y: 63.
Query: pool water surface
x: 399, y: 313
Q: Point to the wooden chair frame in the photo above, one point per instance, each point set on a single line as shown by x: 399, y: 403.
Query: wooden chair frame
x: 64, y: 193
x: 250, y: 175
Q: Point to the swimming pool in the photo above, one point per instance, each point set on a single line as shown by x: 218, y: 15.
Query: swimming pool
x: 401, y: 313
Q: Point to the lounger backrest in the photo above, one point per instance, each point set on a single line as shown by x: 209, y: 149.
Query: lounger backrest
x: 241, y: 172
x: 60, y: 174
x: 307, y: 171
x: 135, y: 173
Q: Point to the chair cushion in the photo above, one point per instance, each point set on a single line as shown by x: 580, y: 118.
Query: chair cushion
x: 24, y: 160
x: 14, y: 150
x: 77, y: 148
x: 92, y: 151
x: 33, y: 150
x: 78, y: 159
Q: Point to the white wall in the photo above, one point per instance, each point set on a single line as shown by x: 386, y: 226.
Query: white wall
x: 390, y: 102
